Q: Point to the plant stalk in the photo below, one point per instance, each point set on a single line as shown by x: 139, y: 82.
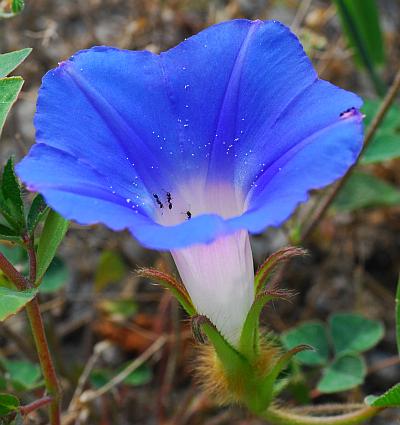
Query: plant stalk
x: 13, y: 274
x: 279, y: 416
x: 46, y: 362
x: 39, y: 335
x: 37, y: 404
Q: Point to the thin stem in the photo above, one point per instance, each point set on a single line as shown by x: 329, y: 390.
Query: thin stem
x: 30, y: 246
x: 42, y: 346
x: 13, y: 274
x: 286, y: 417
x: 39, y: 335
x: 46, y: 362
x: 37, y: 404
x: 385, y: 105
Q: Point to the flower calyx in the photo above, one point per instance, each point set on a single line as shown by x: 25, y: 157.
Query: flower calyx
x: 169, y: 282
x: 267, y: 273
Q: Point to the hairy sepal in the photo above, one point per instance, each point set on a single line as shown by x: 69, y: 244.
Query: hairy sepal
x: 267, y: 270
x: 169, y: 282
x: 249, y: 340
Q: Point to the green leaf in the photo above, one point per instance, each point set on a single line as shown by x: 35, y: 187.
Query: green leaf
x: 385, y: 145
x: 141, y: 376
x: 17, y: 6
x: 8, y: 404
x: 37, y: 212
x: 313, y: 334
x: 8, y: 234
x: 391, y: 120
x: 54, y: 229
x: 390, y: 398
x: 13, y: 301
x: 56, y: 277
x: 123, y: 308
x: 11, y: 204
x: 360, y: 21
x: 15, y: 254
x: 365, y: 36
x: 110, y: 269
x: 9, y: 61
x: 343, y: 374
x: 354, y: 333
x: 398, y: 316
x: 364, y: 190
x: 23, y: 374
x: 9, y: 90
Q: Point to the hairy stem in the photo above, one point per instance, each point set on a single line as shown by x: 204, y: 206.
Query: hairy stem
x: 46, y: 362
x: 13, y: 274
x: 39, y: 335
x: 279, y: 416
x: 30, y: 247
x: 42, y: 346
x: 37, y: 404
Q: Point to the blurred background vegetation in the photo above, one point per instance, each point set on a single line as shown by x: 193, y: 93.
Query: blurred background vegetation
x: 92, y: 294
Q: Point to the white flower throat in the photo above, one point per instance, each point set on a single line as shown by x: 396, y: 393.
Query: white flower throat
x: 172, y: 207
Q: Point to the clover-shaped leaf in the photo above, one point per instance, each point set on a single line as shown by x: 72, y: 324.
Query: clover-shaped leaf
x: 354, y: 333
x: 313, y: 334
x: 344, y: 373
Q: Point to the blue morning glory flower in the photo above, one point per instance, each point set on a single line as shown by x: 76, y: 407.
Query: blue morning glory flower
x: 191, y: 149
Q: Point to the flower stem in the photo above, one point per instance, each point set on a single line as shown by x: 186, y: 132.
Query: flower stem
x: 46, y: 362
x: 279, y: 416
x: 39, y: 335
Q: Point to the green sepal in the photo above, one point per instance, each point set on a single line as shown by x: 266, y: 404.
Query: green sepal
x: 241, y: 375
x: 232, y: 360
x: 169, y: 282
x: 11, y: 204
x: 249, y: 338
x: 268, y: 383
